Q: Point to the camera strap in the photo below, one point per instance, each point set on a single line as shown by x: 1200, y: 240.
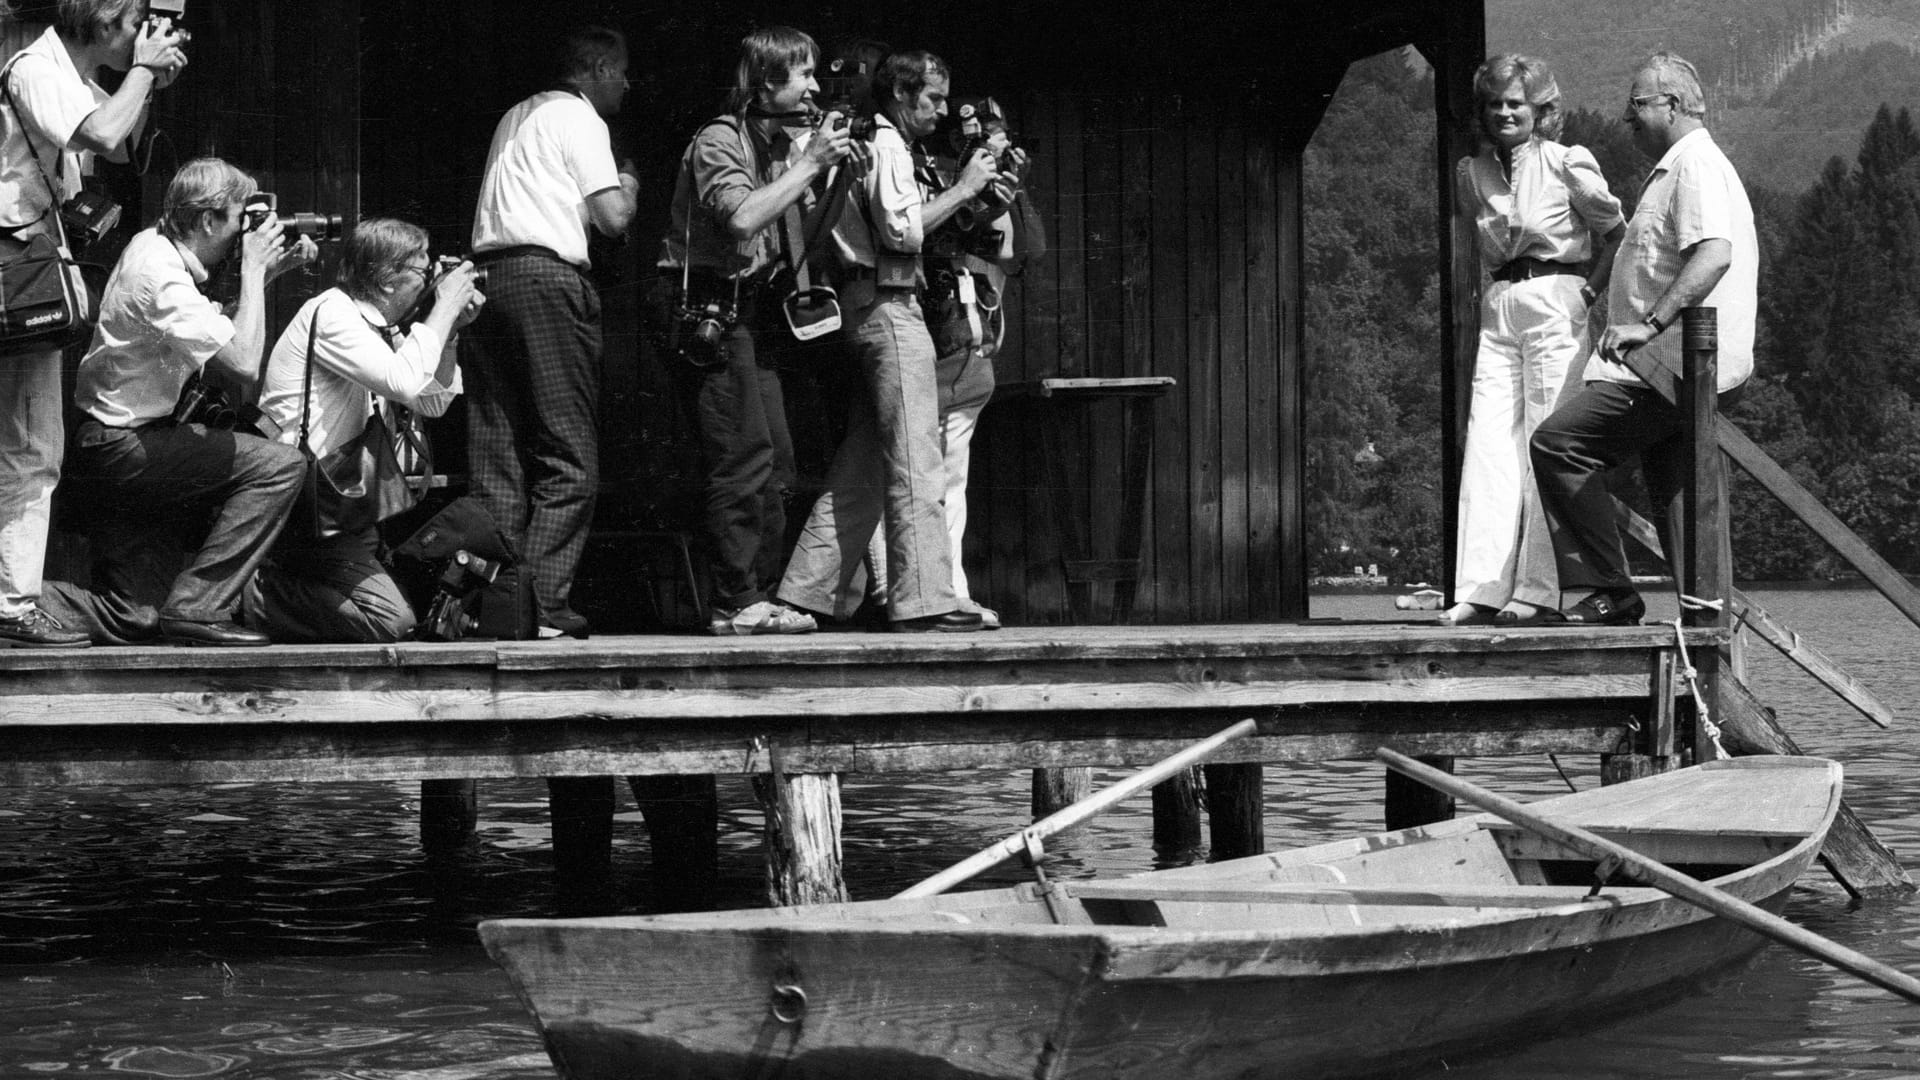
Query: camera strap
x: 59, y: 161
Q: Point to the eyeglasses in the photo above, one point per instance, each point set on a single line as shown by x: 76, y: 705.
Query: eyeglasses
x: 1634, y: 104
x: 421, y: 269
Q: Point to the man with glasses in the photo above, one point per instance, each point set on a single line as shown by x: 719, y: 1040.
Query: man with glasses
x: 1690, y: 243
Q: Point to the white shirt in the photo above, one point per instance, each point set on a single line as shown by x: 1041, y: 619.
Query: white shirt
x: 156, y: 329
x: 893, y: 201
x: 51, y: 99
x: 353, y: 361
x: 1548, y: 208
x: 549, y: 153
x: 1693, y: 195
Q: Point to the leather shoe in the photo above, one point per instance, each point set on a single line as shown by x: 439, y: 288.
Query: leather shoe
x: 35, y: 629
x: 225, y: 632
x: 951, y: 622
x: 1608, y: 607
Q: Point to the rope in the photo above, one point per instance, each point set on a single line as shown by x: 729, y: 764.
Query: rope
x: 1691, y: 676
x: 1694, y: 603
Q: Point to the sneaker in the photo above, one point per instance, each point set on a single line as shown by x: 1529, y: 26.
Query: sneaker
x: 35, y: 629
x: 765, y: 617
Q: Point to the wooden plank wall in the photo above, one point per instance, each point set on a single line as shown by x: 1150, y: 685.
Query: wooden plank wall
x: 1168, y: 255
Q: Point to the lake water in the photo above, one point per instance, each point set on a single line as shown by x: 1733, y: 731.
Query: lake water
x: 296, y: 933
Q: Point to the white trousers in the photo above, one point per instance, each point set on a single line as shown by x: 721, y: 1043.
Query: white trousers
x: 32, y: 434
x: 1533, y: 333
x: 956, y: 438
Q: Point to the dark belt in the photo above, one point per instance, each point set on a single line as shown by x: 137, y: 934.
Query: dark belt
x: 868, y: 273
x: 1523, y: 268
x: 533, y: 251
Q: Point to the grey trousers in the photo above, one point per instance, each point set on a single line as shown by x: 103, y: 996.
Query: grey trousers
x: 890, y: 469
x: 333, y: 591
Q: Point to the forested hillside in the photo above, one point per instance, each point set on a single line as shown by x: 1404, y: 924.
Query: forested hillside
x: 1838, y: 358
x: 1786, y: 78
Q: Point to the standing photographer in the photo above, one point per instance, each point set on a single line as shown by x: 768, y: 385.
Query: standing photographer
x: 889, y: 468
x: 158, y: 486
x: 532, y: 360
x: 968, y: 260
x: 343, y: 359
x: 730, y: 253
x: 55, y: 119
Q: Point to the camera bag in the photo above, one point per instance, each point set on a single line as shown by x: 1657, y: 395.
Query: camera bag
x: 45, y: 300
x: 353, y: 488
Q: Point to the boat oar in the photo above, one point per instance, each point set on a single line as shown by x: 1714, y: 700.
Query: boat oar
x: 988, y: 858
x: 1663, y: 877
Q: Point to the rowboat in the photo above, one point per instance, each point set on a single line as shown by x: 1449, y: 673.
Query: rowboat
x: 1340, y: 959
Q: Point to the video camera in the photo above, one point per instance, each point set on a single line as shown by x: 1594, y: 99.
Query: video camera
x: 262, y: 205
x: 172, y: 10
x: 463, y: 575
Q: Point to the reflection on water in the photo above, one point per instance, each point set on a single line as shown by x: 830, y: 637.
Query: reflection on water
x: 296, y: 933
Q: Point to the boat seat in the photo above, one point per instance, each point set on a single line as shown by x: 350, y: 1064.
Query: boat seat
x: 1451, y: 896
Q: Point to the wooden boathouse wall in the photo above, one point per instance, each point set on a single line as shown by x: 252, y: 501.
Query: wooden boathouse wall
x: 1168, y: 145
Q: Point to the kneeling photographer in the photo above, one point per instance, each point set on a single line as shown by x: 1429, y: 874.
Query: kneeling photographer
x: 733, y: 284
x: 344, y: 380
x: 180, y: 513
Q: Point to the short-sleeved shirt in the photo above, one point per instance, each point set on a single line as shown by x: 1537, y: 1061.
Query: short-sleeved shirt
x: 355, y: 358
x: 724, y: 164
x: 550, y: 153
x: 886, y: 212
x: 1549, y: 208
x: 50, y: 100
x: 156, y: 330
x: 1692, y: 195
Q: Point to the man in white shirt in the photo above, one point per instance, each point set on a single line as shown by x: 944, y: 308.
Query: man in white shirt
x: 54, y: 121
x: 155, y: 487
x: 532, y: 359
x: 1691, y: 242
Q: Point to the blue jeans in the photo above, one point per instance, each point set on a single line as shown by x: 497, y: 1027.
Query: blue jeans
x: 891, y: 469
x: 31, y: 431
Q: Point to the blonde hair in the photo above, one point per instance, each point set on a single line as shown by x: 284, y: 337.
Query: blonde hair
x: 1537, y: 83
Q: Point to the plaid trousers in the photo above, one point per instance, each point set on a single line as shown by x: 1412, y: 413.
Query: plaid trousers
x: 531, y: 363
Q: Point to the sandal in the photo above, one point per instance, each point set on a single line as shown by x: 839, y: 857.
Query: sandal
x: 1466, y: 614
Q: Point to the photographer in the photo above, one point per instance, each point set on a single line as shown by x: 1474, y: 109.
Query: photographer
x: 968, y: 260
x: 532, y: 360
x: 55, y: 119
x: 344, y: 358
x: 161, y: 489
x: 889, y: 466
x: 728, y: 260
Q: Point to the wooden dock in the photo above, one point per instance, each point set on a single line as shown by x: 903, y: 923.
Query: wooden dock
x: 824, y: 703
x: 802, y: 710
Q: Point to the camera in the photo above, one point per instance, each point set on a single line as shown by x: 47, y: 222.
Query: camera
x: 174, y: 10
x: 463, y: 575
x: 446, y: 264
x: 87, y: 218
x: 699, y: 328
x: 261, y: 205
x: 201, y: 402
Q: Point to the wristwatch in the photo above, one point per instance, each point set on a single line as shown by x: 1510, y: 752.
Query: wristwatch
x: 1650, y: 320
x: 1587, y: 295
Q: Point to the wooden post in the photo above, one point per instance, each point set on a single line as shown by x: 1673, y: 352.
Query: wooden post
x: 581, y: 808
x: 1703, y: 525
x: 1655, y: 748
x: 1852, y: 854
x: 1411, y: 803
x: 1236, y: 810
x: 1176, y: 813
x: 449, y: 809
x: 803, y: 837
x: 1056, y: 789
x: 683, y: 825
